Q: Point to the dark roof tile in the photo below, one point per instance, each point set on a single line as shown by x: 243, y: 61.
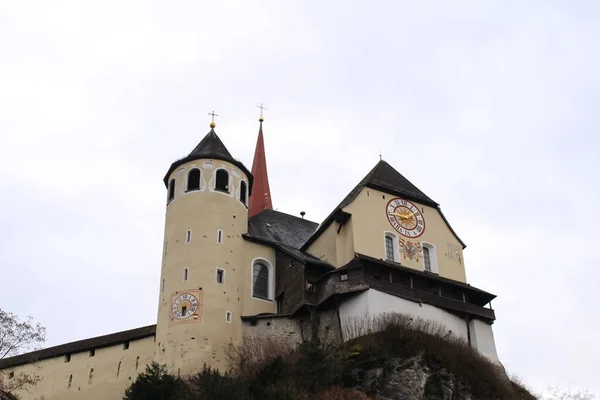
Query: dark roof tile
x: 280, y: 228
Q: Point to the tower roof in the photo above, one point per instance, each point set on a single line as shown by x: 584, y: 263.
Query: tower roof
x: 261, y: 196
x: 210, y: 147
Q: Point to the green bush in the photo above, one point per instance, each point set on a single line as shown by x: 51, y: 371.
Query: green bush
x: 156, y: 384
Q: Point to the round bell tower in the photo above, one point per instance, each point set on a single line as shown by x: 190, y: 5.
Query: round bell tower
x: 201, y: 275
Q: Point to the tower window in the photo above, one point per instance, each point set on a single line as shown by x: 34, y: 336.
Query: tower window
x: 185, y: 274
x: 260, y: 281
x: 243, y: 190
x: 219, y: 236
x: 193, y: 182
x: 222, y: 182
x: 220, y: 275
x: 70, y: 381
x: 389, y: 248
x: 90, y: 376
x: 183, y: 311
x: 228, y: 316
x: 171, y: 190
x: 188, y: 236
x: 162, y: 286
x: 429, y: 258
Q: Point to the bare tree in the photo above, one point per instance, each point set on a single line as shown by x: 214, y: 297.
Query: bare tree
x: 561, y: 394
x: 18, y: 337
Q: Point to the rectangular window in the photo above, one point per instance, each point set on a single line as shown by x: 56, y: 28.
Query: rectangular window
x: 126, y: 345
x: 219, y: 236
x: 310, y: 287
x: 67, y: 358
x: 228, y: 316
x: 343, y: 277
x: 185, y: 274
x: 162, y: 286
x: 188, y: 236
x: 183, y: 311
x: 426, y: 259
x: 389, y: 248
x: 220, y: 275
x: 92, y: 352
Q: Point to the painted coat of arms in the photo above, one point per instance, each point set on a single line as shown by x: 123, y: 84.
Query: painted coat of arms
x: 410, y: 250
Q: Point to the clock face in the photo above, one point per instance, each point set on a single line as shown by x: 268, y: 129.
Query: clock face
x: 405, y: 217
x: 184, y: 306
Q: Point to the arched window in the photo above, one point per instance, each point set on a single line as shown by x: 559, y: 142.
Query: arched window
x: 260, y: 281
x: 243, y: 190
x: 171, y: 190
x: 222, y: 182
x: 193, y: 182
x: 429, y: 258
x: 392, y: 253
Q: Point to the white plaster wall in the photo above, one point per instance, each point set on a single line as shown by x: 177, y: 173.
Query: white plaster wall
x: 373, y: 302
x: 482, y: 339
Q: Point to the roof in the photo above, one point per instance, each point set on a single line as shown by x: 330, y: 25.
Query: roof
x: 209, y: 147
x: 304, y: 257
x: 79, y: 346
x: 275, y: 227
x: 261, y: 196
x: 385, y: 178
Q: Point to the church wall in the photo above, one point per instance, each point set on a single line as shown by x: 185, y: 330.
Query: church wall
x: 369, y: 213
x: 185, y: 345
x: 324, y: 247
x: 252, y: 306
x: 482, y: 339
x: 104, y: 383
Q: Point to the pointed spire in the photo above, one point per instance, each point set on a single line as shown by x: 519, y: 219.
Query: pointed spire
x: 260, y: 199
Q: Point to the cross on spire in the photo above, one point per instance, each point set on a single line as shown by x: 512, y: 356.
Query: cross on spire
x: 262, y: 108
x: 213, y: 115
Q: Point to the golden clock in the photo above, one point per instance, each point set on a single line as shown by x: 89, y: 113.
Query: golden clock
x: 405, y: 217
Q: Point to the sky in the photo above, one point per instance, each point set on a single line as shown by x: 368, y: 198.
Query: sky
x: 489, y: 107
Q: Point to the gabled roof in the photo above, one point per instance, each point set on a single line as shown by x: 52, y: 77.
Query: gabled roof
x: 275, y: 227
x: 385, y: 178
x: 79, y: 346
x: 210, y: 147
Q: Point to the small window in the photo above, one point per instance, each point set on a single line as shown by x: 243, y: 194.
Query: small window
x: 389, y: 248
x: 311, y: 287
x: 222, y: 182
x: 426, y: 259
x: 70, y: 381
x: 188, y: 236
x: 220, y: 275
x: 171, y: 190
x: 92, y: 352
x: 126, y: 345
x: 185, y: 274
x: 183, y: 311
x: 90, y: 376
x: 343, y: 277
x: 67, y: 358
x: 219, y: 236
x: 162, y: 286
x: 228, y: 316
x: 243, y: 190
x: 11, y: 374
x: 193, y: 182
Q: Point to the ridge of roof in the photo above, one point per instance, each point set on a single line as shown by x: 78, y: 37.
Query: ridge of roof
x: 210, y: 146
x: 79, y: 346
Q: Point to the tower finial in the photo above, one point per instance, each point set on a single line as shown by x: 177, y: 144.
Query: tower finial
x: 262, y: 108
x: 212, y: 122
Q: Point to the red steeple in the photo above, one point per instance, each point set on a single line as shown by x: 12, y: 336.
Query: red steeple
x: 260, y: 199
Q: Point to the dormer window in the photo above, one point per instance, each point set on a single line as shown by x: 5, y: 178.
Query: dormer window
x: 222, y: 181
x: 243, y: 190
x: 171, y: 190
x: 193, y: 182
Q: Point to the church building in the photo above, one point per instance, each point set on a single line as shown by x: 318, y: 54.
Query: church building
x: 234, y: 269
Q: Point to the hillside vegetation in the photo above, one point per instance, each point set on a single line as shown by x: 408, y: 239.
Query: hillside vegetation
x: 393, y: 357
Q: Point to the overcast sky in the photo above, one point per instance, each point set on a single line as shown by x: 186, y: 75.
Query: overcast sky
x: 490, y: 107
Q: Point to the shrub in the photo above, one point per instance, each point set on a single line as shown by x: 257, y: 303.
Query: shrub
x: 155, y: 383
x: 209, y: 384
